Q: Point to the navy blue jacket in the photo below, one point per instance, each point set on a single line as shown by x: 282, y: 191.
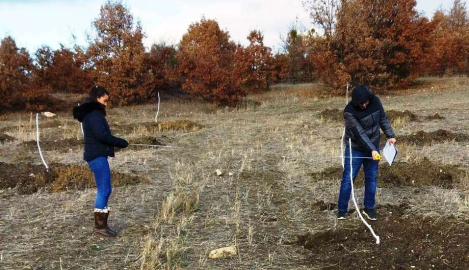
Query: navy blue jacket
x: 363, y: 126
x: 98, y: 138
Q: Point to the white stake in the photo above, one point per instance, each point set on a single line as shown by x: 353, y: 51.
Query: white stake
x: 81, y: 126
x: 37, y: 140
x: 158, y: 111
x: 353, y: 196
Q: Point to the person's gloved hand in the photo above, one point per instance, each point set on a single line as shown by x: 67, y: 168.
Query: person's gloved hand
x: 125, y: 144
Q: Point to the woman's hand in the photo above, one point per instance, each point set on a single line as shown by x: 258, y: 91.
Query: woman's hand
x: 392, y: 141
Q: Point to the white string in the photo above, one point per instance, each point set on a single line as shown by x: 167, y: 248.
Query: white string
x: 158, y: 111
x: 353, y: 196
x: 37, y: 140
x: 150, y: 145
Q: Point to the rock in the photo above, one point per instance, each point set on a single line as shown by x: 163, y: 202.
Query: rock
x: 219, y: 172
x: 230, y: 174
x: 49, y: 114
x: 223, y: 253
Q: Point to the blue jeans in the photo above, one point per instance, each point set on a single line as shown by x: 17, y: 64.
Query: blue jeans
x: 370, y: 168
x: 102, y: 176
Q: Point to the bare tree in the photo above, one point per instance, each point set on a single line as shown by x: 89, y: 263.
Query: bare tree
x: 323, y: 13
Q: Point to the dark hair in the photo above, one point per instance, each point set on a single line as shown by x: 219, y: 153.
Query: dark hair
x: 97, y: 92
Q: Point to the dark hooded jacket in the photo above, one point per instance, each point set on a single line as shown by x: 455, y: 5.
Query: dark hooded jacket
x: 98, y: 138
x: 363, y: 126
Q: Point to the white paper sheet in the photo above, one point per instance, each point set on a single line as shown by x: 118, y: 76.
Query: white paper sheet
x: 389, y: 152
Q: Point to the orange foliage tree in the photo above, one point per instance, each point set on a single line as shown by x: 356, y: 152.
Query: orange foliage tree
x: 118, y: 54
x: 296, y: 47
x: 253, y: 64
x: 375, y: 42
x: 161, y: 64
x: 450, y: 51
x: 15, y: 77
x: 205, y: 63
x: 62, y: 70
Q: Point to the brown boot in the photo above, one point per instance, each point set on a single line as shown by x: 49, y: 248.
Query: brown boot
x: 109, y: 228
x: 101, y: 226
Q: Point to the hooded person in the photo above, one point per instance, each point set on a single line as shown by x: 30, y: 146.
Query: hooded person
x: 99, y: 145
x: 364, y: 116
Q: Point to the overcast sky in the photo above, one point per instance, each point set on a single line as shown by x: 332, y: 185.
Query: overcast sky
x: 33, y: 23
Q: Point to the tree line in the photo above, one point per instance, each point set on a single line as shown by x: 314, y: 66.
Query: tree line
x: 380, y: 43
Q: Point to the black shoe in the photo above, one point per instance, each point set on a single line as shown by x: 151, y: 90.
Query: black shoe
x: 341, y: 215
x: 370, y: 214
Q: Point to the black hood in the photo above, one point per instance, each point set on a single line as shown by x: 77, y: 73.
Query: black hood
x: 80, y: 111
x: 361, y: 94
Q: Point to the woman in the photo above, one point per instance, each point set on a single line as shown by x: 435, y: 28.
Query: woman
x: 99, y: 145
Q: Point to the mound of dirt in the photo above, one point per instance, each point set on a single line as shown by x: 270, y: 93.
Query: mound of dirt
x: 62, y: 146
x: 406, y: 243
x: 422, y: 173
x: 322, y: 206
x: 332, y: 115
x: 146, y: 140
x: 152, y: 127
x: 5, y: 138
x: 392, y: 115
x: 184, y: 125
x: 438, y: 136
x: 29, y: 178
x: 337, y: 115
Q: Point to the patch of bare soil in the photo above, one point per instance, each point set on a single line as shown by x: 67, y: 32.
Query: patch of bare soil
x: 179, y: 125
x: 438, y: 136
x: 337, y: 115
x: 29, y: 178
x: 5, y: 138
x: 147, y: 140
x: 62, y: 146
x: 406, y: 242
x: 421, y: 173
x: 152, y: 127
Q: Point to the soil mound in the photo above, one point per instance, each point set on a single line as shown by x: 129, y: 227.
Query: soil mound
x: 323, y: 206
x: 147, y: 140
x: 338, y: 115
x: 438, y: 136
x: 5, y: 138
x: 332, y: 115
x: 422, y: 173
x: 412, y: 242
x: 29, y: 178
x: 184, y: 125
x: 62, y: 146
x: 152, y: 127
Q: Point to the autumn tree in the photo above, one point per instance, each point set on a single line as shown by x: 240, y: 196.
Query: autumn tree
x: 253, y: 64
x: 280, y: 68
x: 15, y: 76
x: 295, y: 46
x: 375, y: 42
x: 450, y: 50
x: 62, y: 70
x: 161, y: 64
x: 206, y: 57
x: 118, y: 54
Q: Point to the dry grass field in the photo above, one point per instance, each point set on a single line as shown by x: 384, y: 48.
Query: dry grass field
x: 274, y: 200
